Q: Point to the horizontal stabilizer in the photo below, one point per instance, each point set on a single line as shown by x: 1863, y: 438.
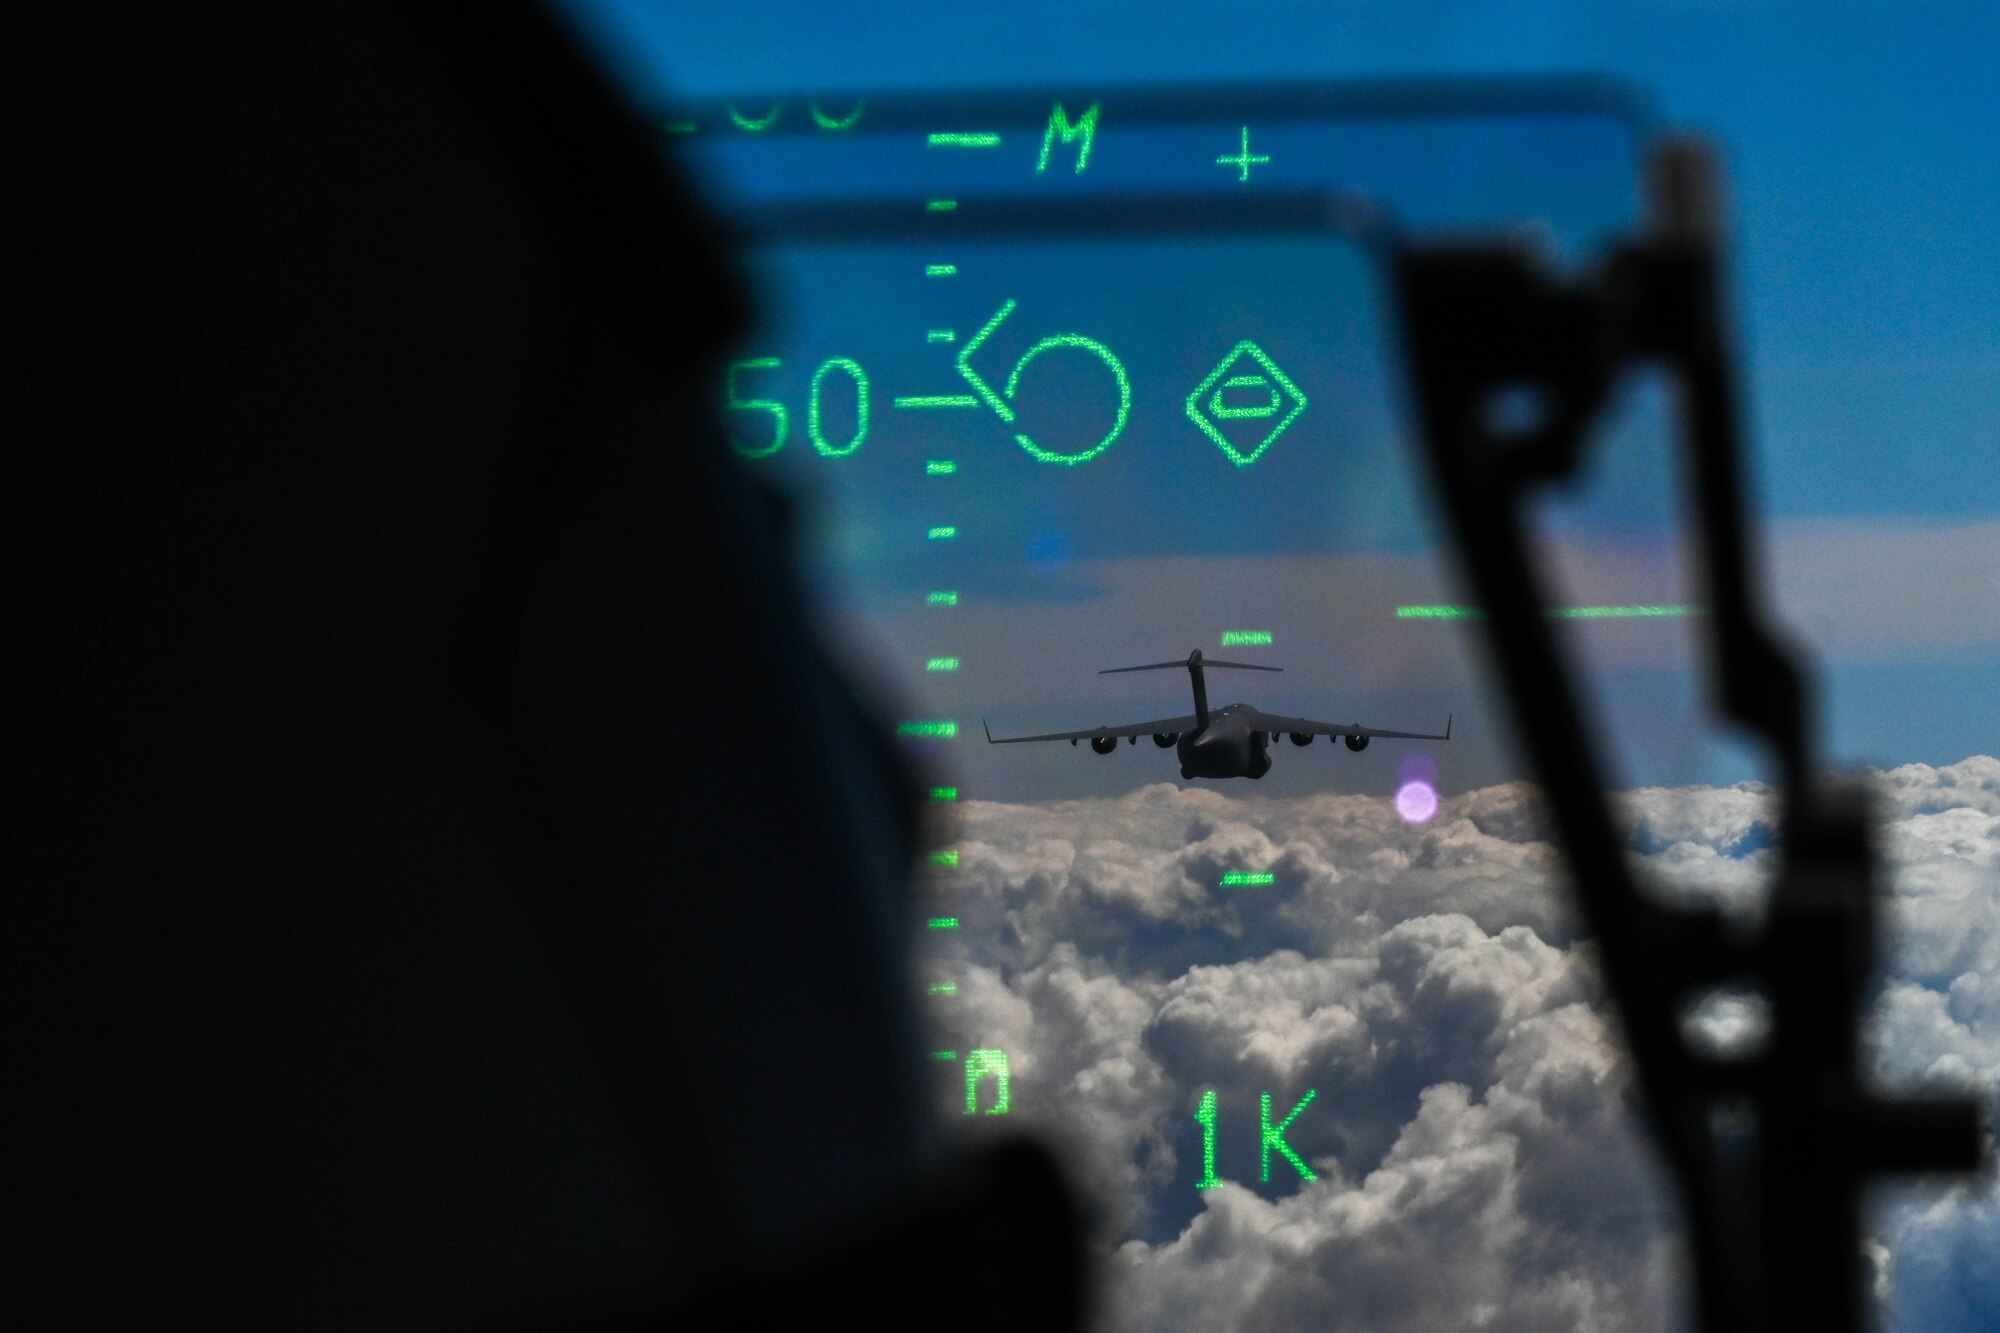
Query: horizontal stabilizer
x: 1184, y: 663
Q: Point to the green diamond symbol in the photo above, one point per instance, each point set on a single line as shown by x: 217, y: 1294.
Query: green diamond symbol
x: 1244, y: 396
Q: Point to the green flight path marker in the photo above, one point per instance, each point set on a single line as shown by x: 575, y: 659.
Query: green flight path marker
x: 1002, y: 406
x: 1236, y: 391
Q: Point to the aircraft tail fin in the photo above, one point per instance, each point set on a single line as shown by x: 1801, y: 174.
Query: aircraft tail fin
x: 1194, y: 664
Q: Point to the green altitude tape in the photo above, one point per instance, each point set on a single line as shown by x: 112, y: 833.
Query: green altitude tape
x: 944, y: 729
x: 940, y: 205
x: 947, y: 857
x: 1244, y: 638
x: 961, y: 139
x: 942, y: 923
x: 942, y: 598
x: 940, y: 270
x: 941, y: 664
x: 940, y: 467
x: 943, y: 534
x: 1233, y: 879
x: 944, y: 793
x: 944, y: 988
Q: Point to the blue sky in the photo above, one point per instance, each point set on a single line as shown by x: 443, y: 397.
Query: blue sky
x: 1866, y: 204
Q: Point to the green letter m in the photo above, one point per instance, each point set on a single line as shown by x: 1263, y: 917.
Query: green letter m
x: 1059, y: 123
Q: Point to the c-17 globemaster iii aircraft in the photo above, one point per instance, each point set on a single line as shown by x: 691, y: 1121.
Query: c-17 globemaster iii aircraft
x: 1230, y: 742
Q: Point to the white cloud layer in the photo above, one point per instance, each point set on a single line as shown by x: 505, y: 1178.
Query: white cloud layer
x: 1477, y: 1162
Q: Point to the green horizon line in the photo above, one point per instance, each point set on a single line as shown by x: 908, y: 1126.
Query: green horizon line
x: 1558, y: 612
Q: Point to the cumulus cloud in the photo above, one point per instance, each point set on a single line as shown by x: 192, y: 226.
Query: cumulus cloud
x: 1423, y: 992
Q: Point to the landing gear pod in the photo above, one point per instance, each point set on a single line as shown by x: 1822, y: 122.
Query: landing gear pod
x: 1104, y: 744
x: 1357, y: 743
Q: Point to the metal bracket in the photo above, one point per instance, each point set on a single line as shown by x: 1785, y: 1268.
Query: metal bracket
x: 1771, y: 1152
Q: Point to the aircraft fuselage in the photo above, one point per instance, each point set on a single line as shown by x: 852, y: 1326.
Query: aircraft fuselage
x: 1226, y: 748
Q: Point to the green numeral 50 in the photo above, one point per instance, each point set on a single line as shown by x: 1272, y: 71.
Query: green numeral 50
x: 779, y: 420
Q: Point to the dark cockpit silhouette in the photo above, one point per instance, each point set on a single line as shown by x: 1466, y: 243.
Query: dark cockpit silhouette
x: 384, y: 964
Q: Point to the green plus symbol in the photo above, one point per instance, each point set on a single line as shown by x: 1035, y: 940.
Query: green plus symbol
x: 1243, y: 161
x: 1235, y: 391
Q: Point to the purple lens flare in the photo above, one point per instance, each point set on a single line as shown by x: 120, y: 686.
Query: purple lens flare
x: 1416, y: 801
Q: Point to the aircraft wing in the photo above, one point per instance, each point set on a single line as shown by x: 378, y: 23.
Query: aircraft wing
x: 1158, y: 726
x: 1305, y: 726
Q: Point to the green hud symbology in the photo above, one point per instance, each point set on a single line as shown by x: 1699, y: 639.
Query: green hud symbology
x: 982, y: 1067
x: 1273, y: 1137
x: 1255, y: 390
x: 1270, y: 1138
x: 1244, y: 159
x: 1205, y: 1116
x: 999, y: 363
x: 1084, y: 128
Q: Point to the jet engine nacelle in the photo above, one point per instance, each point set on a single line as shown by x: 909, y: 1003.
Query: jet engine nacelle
x: 1357, y: 743
x: 1302, y: 738
x: 1104, y: 744
x: 1165, y: 739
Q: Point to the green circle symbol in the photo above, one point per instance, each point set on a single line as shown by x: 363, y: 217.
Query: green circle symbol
x: 1104, y: 354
